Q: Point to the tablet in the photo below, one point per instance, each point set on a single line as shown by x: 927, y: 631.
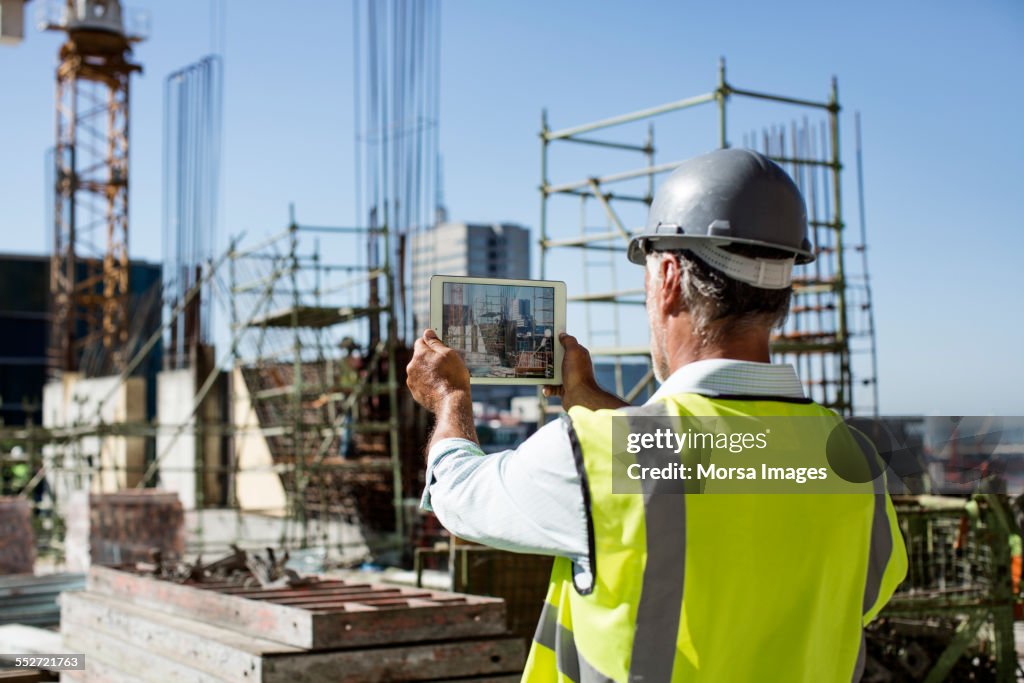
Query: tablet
x: 505, y: 330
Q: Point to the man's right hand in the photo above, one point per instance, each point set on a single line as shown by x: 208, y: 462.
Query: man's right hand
x: 579, y: 386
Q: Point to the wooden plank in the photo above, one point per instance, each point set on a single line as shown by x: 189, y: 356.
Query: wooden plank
x: 98, y: 671
x: 162, y: 647
x: 325, y: 588
x: 264, y: 619
x: 412, y: 662
x: 215, y: 651
x: 108, y: 658
x: 339, y: 624
x: 380, y: 626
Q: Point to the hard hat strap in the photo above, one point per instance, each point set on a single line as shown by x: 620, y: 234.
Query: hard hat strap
x: 759, y: 272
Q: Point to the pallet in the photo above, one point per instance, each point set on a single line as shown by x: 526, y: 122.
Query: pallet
x: 129, y: 642
x: 324, y: 615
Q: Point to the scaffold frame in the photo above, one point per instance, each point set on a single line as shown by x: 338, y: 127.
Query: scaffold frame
x: 816, y: 338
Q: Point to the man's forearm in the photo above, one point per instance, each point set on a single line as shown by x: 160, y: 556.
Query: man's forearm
x: 593, y: 398
x: 454, y: 419
x: 600, y: 398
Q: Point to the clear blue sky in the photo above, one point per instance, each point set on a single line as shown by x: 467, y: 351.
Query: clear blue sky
x: 937, y: 83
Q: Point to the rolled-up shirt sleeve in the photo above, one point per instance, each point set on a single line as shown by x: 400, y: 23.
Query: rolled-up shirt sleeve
x: 525, y: 500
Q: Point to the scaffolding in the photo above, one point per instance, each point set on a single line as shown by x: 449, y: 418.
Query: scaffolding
x: 327, y: 404
x: 952, y: 618
x: 305, y: 356
x: 828, y: 297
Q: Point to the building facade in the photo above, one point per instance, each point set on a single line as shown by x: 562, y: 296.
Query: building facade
x: 474, y: 249
x: 25, y: 316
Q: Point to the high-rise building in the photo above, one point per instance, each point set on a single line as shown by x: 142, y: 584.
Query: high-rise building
x: 474, y: 249
x: 25, y: 320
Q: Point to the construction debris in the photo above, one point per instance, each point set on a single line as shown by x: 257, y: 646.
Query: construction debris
x: 127, y: 527
x: 132, y: 626
x: 240, y: 568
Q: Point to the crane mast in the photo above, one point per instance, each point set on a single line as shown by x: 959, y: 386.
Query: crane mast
x: 89, y: 271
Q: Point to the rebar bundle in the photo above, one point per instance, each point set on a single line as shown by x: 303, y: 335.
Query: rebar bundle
x: 396, y: 99
x: 192, y: 148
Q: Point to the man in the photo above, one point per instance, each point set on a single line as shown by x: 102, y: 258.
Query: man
x: 662, y: 587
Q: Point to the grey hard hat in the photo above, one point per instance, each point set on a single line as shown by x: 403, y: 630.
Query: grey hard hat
x: 729, y: 196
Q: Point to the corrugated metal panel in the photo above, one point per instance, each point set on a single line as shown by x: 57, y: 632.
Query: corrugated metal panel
x: 29, y: 599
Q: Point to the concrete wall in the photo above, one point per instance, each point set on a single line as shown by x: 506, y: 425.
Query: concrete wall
x: 96, y: 463
x: 190, y: 463
x: 257, y: 487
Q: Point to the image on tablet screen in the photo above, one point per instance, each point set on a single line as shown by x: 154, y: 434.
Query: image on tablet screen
x: 500, y: 330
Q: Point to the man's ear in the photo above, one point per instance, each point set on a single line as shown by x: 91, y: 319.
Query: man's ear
x: 669, y: 293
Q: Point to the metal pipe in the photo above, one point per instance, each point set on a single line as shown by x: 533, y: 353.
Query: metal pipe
x: 338, y: 230
x: 260, y: 246
x: 609, y: 210
x: 634, y: 116
x: 543, y: 238
x: 720, y: 95
x: 301, y: 477
x: 864, y: 264
x: 581, y: 239
x: 607, y: 143
x: 779, y: 98
x: 612, y: 195
x: 846, y: 386
x: 780, y: 159
x: 639, y: 386
x: 609, y: 296
x: 621, y: 351
x: 615, y: 177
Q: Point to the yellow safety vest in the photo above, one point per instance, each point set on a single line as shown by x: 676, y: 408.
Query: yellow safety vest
x: 717, y: 587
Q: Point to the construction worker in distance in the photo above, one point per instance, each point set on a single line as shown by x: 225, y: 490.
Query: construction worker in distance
x: 660, y: 588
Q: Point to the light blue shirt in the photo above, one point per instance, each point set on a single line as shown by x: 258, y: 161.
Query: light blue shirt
x: 530, y: 499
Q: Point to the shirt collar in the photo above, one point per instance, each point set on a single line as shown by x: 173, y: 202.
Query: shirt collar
x: 727, y: 377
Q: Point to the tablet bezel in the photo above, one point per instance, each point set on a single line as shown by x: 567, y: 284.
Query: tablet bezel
x: 436, y: 289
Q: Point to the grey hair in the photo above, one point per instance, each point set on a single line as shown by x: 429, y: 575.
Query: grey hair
x: 719, y: 305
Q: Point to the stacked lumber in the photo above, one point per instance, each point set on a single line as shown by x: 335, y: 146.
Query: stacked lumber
x: 17, y: 541
x: 127, y: 526
x: 135, y: 627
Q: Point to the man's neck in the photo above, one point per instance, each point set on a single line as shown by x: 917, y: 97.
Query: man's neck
x: 685, y: 348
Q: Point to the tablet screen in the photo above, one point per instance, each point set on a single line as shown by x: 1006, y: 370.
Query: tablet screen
x: 501, y: 331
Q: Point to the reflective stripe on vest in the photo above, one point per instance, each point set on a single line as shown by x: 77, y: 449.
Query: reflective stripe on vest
x: 661, y: 593
x: 554, y: 636
x: 879, y: 552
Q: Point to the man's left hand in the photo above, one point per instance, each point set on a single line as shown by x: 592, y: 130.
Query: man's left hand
x: 436, y: 373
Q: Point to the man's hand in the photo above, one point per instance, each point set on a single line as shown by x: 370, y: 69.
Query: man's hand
x: 439, y: 381
x: 435, y: 372
x: 579, y: 386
